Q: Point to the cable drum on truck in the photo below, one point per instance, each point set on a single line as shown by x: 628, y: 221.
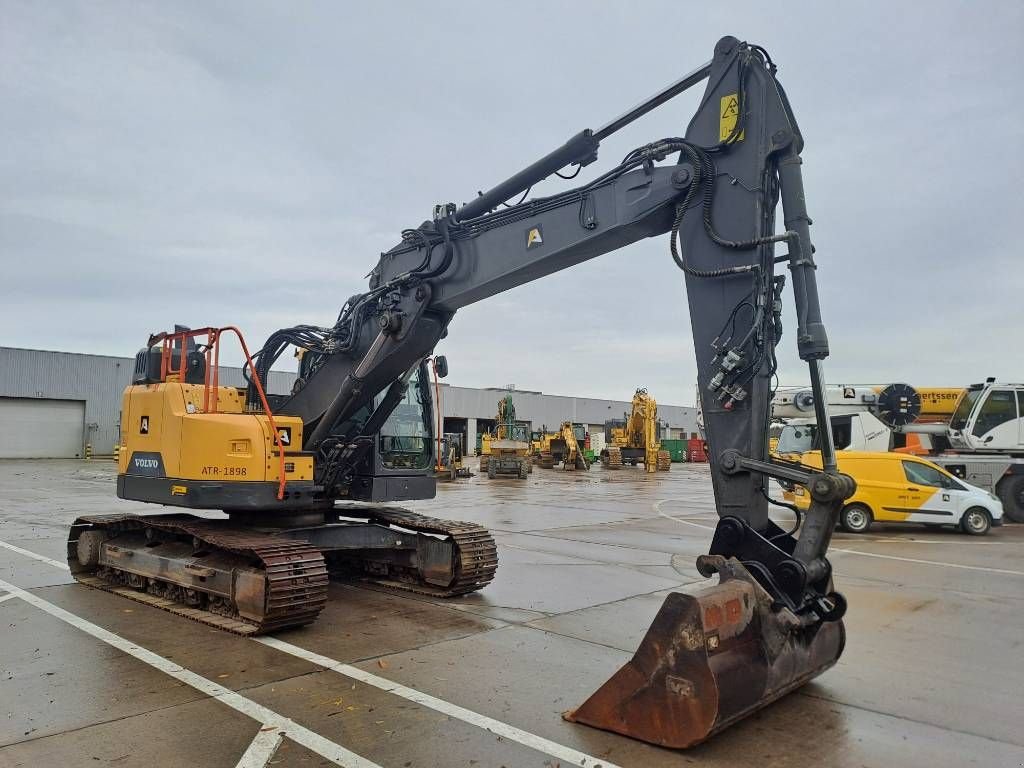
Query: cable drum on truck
x: 898, y: 405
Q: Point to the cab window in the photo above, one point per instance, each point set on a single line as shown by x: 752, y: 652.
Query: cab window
x: 999, y: 408
x: 405, y: 438
x: 922, y: 474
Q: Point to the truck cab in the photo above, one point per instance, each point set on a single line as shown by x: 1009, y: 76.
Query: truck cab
x: 989, y: 417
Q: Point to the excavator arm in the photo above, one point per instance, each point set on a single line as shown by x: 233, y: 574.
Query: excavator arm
x: 773, y: 622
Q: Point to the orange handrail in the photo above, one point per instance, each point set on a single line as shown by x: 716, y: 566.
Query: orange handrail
x: 212, y: 377
x: 437, y: 397
x: 266, y: 407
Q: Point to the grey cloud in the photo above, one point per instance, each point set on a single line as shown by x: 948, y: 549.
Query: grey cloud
x: 246, y: 163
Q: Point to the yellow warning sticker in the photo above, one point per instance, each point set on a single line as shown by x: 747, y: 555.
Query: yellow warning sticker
x: 729, y: 115
x: 179, y: 490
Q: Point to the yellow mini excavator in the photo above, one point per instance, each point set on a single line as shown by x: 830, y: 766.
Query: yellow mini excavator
x: 636, y: 439
x: 564, y: 446
x: 309, y: 478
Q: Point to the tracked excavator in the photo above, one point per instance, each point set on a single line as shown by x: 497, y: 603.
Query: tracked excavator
x: 309, y: 479
x: 565, y: 446
x: 637, y: 439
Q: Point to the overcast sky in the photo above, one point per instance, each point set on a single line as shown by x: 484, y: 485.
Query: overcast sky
x: 245, y: 163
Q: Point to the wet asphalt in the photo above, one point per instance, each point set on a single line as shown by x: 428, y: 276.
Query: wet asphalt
x: 931, y: 676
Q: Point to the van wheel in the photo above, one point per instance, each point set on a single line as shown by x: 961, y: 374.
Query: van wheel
x: 976, y: 521
x: 855, y: 518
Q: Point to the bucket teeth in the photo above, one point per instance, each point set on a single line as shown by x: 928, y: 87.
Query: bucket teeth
x: 710, y: 658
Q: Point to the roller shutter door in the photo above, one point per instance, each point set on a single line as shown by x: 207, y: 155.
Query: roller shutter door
x: 41, y: 429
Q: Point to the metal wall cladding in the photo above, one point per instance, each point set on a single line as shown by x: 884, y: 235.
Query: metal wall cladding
x: 551, y: 410
x: 99, y: 380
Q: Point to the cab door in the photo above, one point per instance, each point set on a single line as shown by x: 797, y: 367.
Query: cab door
x: 931, y: 495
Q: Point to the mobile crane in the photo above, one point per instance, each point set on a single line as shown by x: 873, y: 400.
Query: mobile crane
x: 308, y: 478
x: 975, y: 433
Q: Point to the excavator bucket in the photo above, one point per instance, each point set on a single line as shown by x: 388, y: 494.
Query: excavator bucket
x: 711, y: 657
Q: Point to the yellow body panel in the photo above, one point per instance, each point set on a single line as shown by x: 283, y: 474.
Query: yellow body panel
x: 168, y: 419
x: 937, y: 403
x: 882, y: 483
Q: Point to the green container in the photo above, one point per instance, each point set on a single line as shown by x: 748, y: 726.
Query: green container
x: 675, y: 448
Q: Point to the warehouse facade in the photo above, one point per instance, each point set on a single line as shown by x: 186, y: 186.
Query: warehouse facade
x: 53, y: 404
x: 472, y: 411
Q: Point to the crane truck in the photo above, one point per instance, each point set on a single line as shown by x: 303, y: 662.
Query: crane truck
x: 975, y: 433
x: 309, y: 478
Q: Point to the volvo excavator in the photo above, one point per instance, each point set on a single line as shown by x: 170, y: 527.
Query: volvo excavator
x: 308, y: 480
x: 565, y: 446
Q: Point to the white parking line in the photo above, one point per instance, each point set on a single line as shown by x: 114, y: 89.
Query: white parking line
x: 510, y: 732
x: 6, y: 597
x: 35, y: 556
x: 327, y: 749
x: 657, y: 508
x: 1005, y: 571
x: 262, y: 748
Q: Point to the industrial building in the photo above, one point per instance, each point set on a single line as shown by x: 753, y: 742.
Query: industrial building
x: 53, y: 404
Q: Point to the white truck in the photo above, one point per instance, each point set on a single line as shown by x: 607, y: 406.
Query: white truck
x: 975, y: 433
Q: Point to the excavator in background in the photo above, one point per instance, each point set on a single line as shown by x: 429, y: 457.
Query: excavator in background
x: 975, y: 433
x: 565, y: 447
x: 448, y: 459
x: 508, y: 449
x: 309, y: 478
x: 637, y: 438
x: 448, y: 456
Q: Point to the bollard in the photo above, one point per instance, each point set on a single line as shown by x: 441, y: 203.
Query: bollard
x: 88, y: 451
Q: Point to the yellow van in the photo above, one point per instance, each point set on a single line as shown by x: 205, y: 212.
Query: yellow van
x: 900, y: 488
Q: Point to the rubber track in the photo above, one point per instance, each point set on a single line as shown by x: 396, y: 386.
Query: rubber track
x: 476, y: 552
x: 296, y: 572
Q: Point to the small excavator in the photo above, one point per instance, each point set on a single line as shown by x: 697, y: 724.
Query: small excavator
x: 448, y: 455
x: 564, y: 446
x: 636, y: 439
x: 309, y: 478
x: 508, y: 450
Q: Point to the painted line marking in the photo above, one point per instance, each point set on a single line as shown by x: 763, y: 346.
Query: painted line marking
x: 262, y: 749
x: 657, y: 508
x: 510, y: 732
x: 1004, y: 571
x: 5, y: 598
x: 34, y: 556
x: 327, y: 749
